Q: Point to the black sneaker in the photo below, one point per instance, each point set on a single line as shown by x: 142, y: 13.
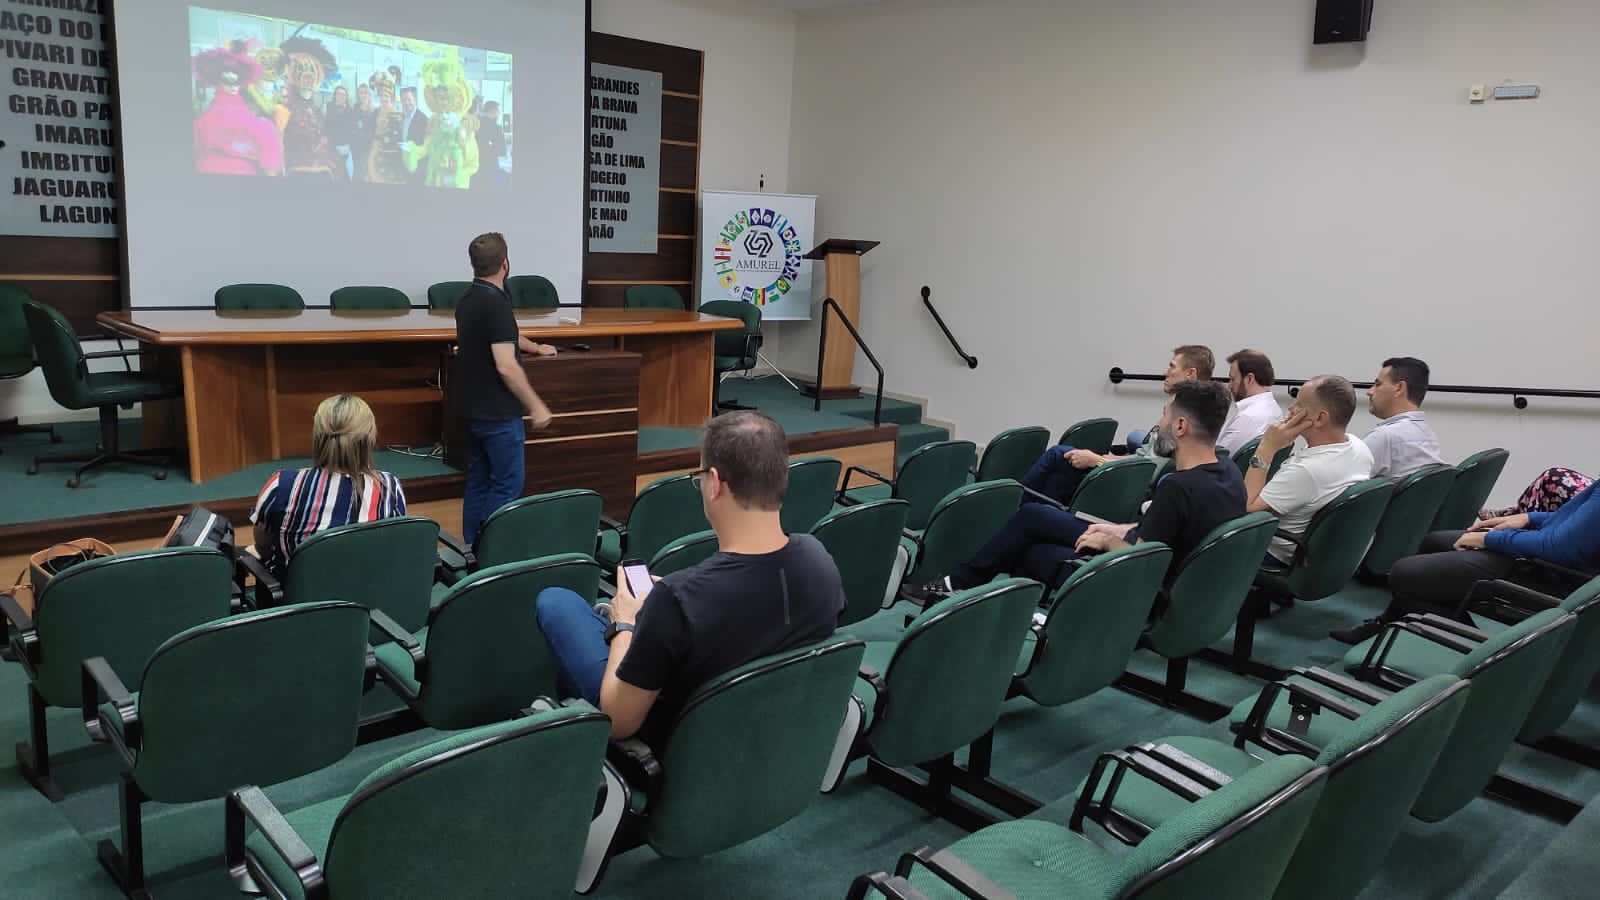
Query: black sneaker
x: 926, y: 594
x: 1355, y: 634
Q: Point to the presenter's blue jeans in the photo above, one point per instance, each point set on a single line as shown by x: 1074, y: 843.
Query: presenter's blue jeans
x: 577, y: 637
x: 494, y: 470
x: 1032, y: 525
x: 1052, y: 476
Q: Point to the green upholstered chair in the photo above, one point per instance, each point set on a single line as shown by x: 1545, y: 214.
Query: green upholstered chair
x: 117, y: 607
x: 1091, y: 625
x: 1407, y: 517
x: 684, y: 553
x: 958, y: 526
x: 385, y: 565
x: 1201, y: 602
x: 653, y: 296
x: 1114, y: 489
x: 1326, y: 555
x: 532, y: 292
x: 481, y: 657
x: 1090, y: 434
x: 258, y: 296
x: 1011, y: 453
x: 73, y: 386
x: 864, y: 541
x: 667, y: 509
x: 446, y: 294
x: 16, y: 354
x: 497, y: 811
x: 1233, y: 841
x: 746, y: 753
x: 369, y: 297
x: 529, y: 527
x: 1475, y: 478
x: 1508, y: 671
x: 1377, y: 757
x: 925, y: 477
x: 1579, y: 662
x: 813, y: 482
x: 735, y: 351
x: 257, y: 699
x: 1247, y: 452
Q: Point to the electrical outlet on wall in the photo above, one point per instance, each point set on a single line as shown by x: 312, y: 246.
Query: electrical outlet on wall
x: 1476, y: 93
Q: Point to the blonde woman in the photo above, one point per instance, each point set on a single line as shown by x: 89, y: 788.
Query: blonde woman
x: 341, y: 488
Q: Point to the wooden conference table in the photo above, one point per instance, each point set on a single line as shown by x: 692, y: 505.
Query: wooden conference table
x: 252, y: 379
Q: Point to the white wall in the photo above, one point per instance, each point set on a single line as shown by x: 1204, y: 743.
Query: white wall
x: 1089, y: 184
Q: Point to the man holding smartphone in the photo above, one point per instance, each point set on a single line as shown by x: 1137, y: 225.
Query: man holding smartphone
x: 763, y: 592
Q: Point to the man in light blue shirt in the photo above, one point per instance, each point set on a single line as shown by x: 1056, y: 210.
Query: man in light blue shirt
x: 1402, y: 442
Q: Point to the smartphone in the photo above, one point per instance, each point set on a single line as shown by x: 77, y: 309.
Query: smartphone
x: 638, y: 576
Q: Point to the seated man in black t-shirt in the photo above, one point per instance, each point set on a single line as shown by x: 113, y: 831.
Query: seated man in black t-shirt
x: 763, y: 592
x: 1200, y: 494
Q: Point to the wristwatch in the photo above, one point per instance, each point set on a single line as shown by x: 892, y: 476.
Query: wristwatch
x: 1257, y: 462
x: 615, y: 628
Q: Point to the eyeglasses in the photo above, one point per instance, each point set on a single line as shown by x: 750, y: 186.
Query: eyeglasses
x: 697, y: 476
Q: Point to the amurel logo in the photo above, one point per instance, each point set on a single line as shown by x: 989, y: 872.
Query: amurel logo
x: 746, y: 258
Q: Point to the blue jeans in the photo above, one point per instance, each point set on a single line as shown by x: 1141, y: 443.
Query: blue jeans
x: 494, y: 470
x: 1136, y: 439
x: 1052, y: 476
x: 577, y: 636
x: 1031, y: 525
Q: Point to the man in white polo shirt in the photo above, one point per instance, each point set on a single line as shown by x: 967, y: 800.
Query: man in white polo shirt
x: 1402, y: 442
x: 1250, y: 379
x: 1313, y: 476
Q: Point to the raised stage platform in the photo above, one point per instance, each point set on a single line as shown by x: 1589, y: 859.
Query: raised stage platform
x: 128, y: 507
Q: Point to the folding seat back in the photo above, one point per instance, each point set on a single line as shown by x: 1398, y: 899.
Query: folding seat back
x: 1011, y: 453
x: 1204, y: 597
x: 1336, y: 540
x: 538, y: 526
x: 684, y: 553
x: 813, y: 484
x: 1247, y: 452
x: 929, y: 474
x: 386, y: 564
x: 1096, y: 435
x: 1408, y: 517
x: 960, y: 524
x: 1474, y: 482
x: 863, y: 541
x: 1575, y: 669
x: 667, y: 509
x: 1114, y: 490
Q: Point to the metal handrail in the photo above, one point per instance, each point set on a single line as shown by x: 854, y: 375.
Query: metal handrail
x: 822, y: 347
x: 971, y: 361
x: 1519, y: 395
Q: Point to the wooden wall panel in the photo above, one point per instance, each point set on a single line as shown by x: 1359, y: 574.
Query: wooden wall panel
x: 608, y: 275
x: 82, y: 277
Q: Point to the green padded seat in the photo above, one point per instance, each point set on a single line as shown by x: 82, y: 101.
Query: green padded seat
x: 532, y: 292
x: 652, y: 296
x: 258, y: 296
x: 1475, y: 479
x: 531, y: 527
x: 481, y: 657
x: 1247, y: 452
x: 813, y: 482
x: 959, y: 526
x: 1234, y: 842
x: 684, y: 553
x: 733, y: 351
x: 1114, y: 490
x: 368, y: 297
x: 667, y: 509
x: 1407, y: 518
x: 521, y: 792
x: 1334, y: 543
x: 446, y: 294
x: 871, y: 492
x: 1574, y: 671
x: 863, y: 541
x: 387, y: 564
x: 1011, y: 453
x: 928, y: 474
x: 1096, y: 435
x: 1210, y: 585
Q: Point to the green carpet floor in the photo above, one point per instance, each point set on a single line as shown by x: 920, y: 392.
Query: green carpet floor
x: 121, y: 487
x: 48, y: 849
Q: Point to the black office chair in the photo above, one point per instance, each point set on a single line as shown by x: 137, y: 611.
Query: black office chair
x: 66, y: 372
x: 16, y: 355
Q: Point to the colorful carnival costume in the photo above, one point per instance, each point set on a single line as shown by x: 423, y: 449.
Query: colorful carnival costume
x: 306, y: 148
x: 386, y: 161
x: 229, y: 138
x: 449, y: 154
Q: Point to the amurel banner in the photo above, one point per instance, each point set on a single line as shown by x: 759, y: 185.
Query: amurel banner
x: 751, y: 247
x: 57, y: 156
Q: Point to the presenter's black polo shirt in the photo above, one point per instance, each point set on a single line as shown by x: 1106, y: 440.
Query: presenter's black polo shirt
x: 483, y: 319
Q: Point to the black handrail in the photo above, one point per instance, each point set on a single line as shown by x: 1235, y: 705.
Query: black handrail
x: 972, y: 361
x: 822, y: 347
x: 1519, y: 395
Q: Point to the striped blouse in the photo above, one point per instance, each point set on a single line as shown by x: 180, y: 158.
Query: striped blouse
x: 295, y: 504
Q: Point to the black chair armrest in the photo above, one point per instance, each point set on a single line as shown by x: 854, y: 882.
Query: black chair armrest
x: 1577, y: 576
x: 392, y: 630
x: 1506, y: 601
x: 892, y: 886
x: 954, y: 871
x: 248, y: 564
x: 1344, y: 684
x: 879, y: 686
x: 844, y: 496
x: 1299, y: 542
x: 1170, y: 769
x: 1419, y: 625
x: 1450, y: 626
x: 637, y: 764
x: 1305, y: 702
x: 460, y: 557
x: 102, y: 685
x: 609, y: 524
x: 1375, y: 665
x: 25, y: 643
x: 250, y: 803
x: 1045, y: 498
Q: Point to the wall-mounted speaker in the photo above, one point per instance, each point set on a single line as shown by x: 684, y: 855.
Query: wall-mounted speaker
x: 1342, y: 21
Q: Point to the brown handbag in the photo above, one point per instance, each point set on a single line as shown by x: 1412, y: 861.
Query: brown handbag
x: 50, y: 562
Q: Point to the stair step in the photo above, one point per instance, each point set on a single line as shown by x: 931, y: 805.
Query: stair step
x: 916, y: 434
x: 895, y: 412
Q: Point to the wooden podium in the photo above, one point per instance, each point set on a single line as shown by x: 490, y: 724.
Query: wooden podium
x: 843, y: 258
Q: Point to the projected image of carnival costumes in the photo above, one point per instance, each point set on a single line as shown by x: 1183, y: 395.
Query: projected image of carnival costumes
x: 386, y: 162
x: 449, y: 155
x: 229, y: 137
x: 306, y: 148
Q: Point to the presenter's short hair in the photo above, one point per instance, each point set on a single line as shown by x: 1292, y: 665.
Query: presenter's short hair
x: 751, y: 454
x: 1205, y: 404
x: 487, y: 253
x: 1254, y: 362
x: 1335, y: 394
x: 1197, y: 357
